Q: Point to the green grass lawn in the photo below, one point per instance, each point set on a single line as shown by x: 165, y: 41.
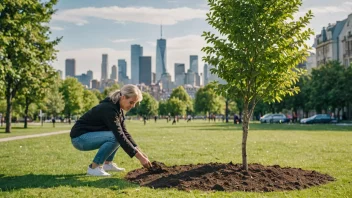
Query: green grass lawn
x: 51, y: 167
x: 33, y: 128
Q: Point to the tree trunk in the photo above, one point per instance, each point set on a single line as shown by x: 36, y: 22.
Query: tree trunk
x: 26, y: 114
x: 8, y: 110
x: 245, y: 125
x: 227, y: 110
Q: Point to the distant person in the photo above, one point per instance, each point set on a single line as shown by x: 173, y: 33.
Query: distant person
x: 236, y: 120
x: 53, y: 121
x: 174, y: 121
x: 144, y: 119
x: 155, y: 118
x: 103, y: 127
x: 189, y: 118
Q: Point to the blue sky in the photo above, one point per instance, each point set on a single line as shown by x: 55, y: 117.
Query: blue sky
x: 91, y: 28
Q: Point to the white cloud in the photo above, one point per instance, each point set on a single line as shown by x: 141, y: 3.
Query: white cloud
x: 130, y: 14
x: 122, y: 40
x: 56, y: 28
x: 345, y: 7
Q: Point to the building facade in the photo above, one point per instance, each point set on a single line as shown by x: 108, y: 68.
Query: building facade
x: 70, y: 67
x: 104, y: 67
x: 161, y: 67
x: 145, y: 70
x: 136, y: 52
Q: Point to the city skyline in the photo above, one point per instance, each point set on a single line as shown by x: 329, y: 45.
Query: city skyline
x: 91, y: 28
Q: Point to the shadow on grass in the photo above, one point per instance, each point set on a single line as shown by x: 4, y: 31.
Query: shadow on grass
x: 261, y: 127
x: 9, y: 183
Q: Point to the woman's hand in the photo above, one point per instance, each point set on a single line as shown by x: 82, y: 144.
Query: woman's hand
x: 143, y: 160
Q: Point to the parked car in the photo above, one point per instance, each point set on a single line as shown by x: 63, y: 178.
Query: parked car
x: 274, y: 118
x: 319, y: 118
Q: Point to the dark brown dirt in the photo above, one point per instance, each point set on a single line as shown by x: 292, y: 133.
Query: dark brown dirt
x: 227, y: 177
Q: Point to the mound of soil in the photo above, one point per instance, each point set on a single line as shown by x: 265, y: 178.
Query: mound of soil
x: 227, y: 177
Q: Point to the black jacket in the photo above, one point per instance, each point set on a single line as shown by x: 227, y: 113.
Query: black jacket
x: 106, y: 116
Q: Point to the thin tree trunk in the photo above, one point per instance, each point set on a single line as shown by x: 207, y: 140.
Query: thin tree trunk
x: 227, y: 110
x: 245, y: 125
x: 8, y: 110
x: 26, y: 114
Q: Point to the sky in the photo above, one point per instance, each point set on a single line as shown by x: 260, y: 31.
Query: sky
x: 91, y: 28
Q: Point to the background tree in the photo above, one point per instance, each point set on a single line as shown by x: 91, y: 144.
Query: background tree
x: 207, y: 100
x: 72, y: 90
x: 54, y: 101
x: 181, y: 94
x: 163, y: 108
x: 148, y: 106
x: 89, y: 100
x: 110, y: 89
x: 259, y: 48
x: 98, y: 94
x: 176, y: 107
x: 25, y: 44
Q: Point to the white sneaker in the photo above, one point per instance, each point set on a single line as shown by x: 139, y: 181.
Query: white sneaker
x: 112, y: 167
x: 98, y: 171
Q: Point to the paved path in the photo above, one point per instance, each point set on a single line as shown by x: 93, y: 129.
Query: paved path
x: 32, y: 136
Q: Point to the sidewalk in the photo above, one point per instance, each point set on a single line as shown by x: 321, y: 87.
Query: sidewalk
x: 32, y: 136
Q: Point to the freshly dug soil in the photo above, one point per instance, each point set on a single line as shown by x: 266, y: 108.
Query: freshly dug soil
x: 227, y: 177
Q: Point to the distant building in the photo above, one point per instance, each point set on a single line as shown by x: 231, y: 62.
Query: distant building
x: 205, y: 75
x: 113, y: 74
x: 59, y: 72
x: 84, y: 79
x: 190, y: 78
x: 161, y: 67
x: 104, y: 67
x: 90, y: 74
x: 179, y: 74
x: 70, y: 67
x: 145, y: 70
x: 136, y: 52
x: 193, y: 63
x: 95, y: 84
x: 346, y: 42
x: 122, y: 66
x: 327, y: 43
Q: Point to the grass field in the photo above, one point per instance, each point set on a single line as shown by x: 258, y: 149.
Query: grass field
x: 33, y: 128
x: 51, y: 167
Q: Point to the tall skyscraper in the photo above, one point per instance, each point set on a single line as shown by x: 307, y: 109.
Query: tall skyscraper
x: 90, y: 74
x: 179, y: 74
x: 190, y: 77
x: 145, y: 70
x: 161, y: 67
x: 136, y: 52
x: 104, y: 67
x: 122, y: 69
x: 193, y: 63
x: 113, y: 74
x: 70, y: 67
x: 205, y: 72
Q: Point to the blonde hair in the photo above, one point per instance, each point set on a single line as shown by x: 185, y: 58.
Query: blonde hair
x: 128, y: 91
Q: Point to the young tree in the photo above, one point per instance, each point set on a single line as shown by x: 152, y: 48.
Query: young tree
x: 181, y: 94
x: 162, y: 108
x: 72, y: 90
x: 54, y: 102
x: 148, y: 106
x: 25, y: 44
x: 176, y: 107
x: 257, y: 51
x: 207, y: 100
x: 90, y: 100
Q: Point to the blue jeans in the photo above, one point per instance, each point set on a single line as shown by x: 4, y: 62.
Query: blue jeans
x: 105, y: 141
